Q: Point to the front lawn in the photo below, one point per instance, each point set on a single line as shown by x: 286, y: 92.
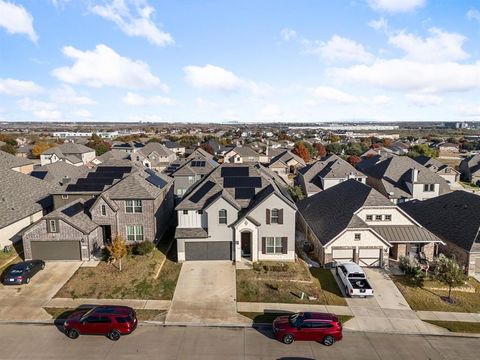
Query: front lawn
x: 422, y: 298
x: 136, y: 280
x: 273, y: 282
x: 457, y: 326
x: 268, y: 317
x: 12, y: 256
x: 60, y: 314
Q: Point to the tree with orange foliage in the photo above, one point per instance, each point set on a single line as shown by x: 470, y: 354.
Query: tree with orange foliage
x: 354, y: 160
x: 321, y: 150
x: 40, y: 147
x: 302, y: 151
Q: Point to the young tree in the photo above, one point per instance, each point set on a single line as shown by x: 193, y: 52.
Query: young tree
x: 117, y: 250
x: 296, y: 193
x: 321, y: 150
x: 302, y: 151
x: 448, y: 272
x: 208, y: 148
x: 40, y: 147
x: 8, y: 149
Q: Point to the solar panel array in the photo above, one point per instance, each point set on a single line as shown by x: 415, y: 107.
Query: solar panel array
x: 242, y: 182
x: 197, y: 163
x: 200, y: 193
x: 157, y: 181
x: 234, y: 171
x: 100, y: 179
x: 239, y: 179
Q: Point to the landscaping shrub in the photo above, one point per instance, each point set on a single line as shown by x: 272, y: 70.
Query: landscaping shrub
x: 143, y: 248
x: 412, y: 269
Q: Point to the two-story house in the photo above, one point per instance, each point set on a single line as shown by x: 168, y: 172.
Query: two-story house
x: 286, y: 162
x: 243, y: 154
x: 154, y: 156
x: 325, y: 173
x: 75, y: 154
x: 353, y: 222
x: 400, y: 179
x: 445, y: 171
x: 238, y: 212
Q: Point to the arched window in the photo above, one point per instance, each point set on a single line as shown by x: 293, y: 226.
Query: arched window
x: 222, y: 216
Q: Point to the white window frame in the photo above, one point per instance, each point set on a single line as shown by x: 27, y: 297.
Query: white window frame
x: 369, y: 217
x: 388, y: 217
x: 133, y: 206
x: 357, y: 237
x: 135, y: 233
x: 428, y: 187
x: 378, y: 217
x: 222, y: 217
x: 273, y: 245
x: 274, y: 219
x: 64, y: 197
x: 185, y: 212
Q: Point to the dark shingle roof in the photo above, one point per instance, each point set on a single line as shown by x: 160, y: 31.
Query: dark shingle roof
x: 10, y: 161
x: 136, y: 186
x: 68, y: 148
x: 74, y: 214
x: 56, y: 173
x: 454, y: 217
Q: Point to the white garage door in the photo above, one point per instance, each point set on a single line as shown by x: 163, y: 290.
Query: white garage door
x: 342, y: 255
x: 369, y: 257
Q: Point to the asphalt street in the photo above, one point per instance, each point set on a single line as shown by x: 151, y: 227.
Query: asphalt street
x: 157, y: 342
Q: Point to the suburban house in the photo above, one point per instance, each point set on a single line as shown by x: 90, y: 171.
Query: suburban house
x: 243, y: 154
x: 286, y: 163
x: 23, y: 200
x: 21, y: 165
x: 175, y: 147
x: 75, y: 154
x: 325, y: 173
x: 353, y: 222
x: 139, y: 207
x: 238, y: 212
x: 154, y: 156
x: 445, y: 171
x: 448, y: 149
x: 400, y: 179
x: 470, y: 169
x: 456, y: 221
x: 24, y: 151
x: 113, y: 158
x: 127, y: 147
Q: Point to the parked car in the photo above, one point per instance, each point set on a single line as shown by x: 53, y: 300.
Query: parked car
x: 354, y: 279
x: 22, y: 272
x: 321, y: 327
x: 111, y: 321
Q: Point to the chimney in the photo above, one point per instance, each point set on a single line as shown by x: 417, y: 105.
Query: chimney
x: 414, y: 175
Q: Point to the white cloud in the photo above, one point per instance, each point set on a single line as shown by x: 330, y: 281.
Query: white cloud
x: 204, y: 104
x: 83, y: 113
x: 380, y: 24
x: 381, y: 99
x: 396, y: 6
x: 230, y: 115
x: 41, y: 109
x: 440, y: 46
x: 469, y: 110
x: 134, y: 99
x: 212, y: 77
x: 473, y: 14
x: 400, y: 74
x: 16, y: 20
x: 134, y: 18
x: 104, y: 67
x: 288, y: 34
x: 15, y: 87
x: 59, y: 3
x: 65, y: 94
x: 423, y: 100
x: 270, y: 112
x: 338, y: 49
x: 332, y: 95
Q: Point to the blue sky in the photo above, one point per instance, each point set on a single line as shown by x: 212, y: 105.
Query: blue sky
x: 247, y: 61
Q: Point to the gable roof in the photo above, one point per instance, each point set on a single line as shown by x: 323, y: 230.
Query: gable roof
x: 456, y: 218
x: 245, y: 151
x: 68, y: 149
x: 159, y: 148
x: 285, y: 156
x: 331, y: 211
x: 59, y: 173
x: 10, y: 161
x: 75, y: 214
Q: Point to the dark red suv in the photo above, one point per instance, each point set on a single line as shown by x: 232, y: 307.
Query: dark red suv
x: 324, y: 328
x: 112, y: 321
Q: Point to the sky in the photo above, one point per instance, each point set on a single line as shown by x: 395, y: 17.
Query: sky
x: 246, y: 61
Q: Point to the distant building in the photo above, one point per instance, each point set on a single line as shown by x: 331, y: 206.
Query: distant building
x: 71, y: 153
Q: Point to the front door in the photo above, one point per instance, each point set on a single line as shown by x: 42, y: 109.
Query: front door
x: 107, y: 234
x: 246, y: 244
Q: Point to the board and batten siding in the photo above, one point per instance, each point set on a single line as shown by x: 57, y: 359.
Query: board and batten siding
x: 217, y: 231
x: 398, y: 217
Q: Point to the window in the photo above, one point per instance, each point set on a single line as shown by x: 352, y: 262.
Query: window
x: 388, y: 217
x: 274, y: 216
x: 134, y: 232
x: 103, y: 210
x: 133, y: 206
x: 378, y: 217
x: 428, y: 187
x: 274, y: 245
x: 185, y: 212
x: 222, y: 216
x: 52, y: 224
x: 358, y: 237
x: 369, y: 217
x: 200, y: 212
x: 65, y: 197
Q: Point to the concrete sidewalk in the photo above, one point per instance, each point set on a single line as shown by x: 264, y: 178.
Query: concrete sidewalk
x: 266, y: 307
x: 133, y: 303
x: 448, y: 316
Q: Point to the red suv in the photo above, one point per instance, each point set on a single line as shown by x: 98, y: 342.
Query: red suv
x: 112, y: 321
x: 324, y: 328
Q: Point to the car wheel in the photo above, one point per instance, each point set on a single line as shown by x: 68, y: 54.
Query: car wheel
x: 27, y: 280
x: 328, y: 340
x: 114, y: 335
x: 288, y: 339
x: 73, y: 334
x: 43, y: 266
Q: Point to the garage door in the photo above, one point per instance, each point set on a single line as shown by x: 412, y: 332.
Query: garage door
x: 56, y: 250
x: 369, y: 257
x: 208, y: 250
x: 342, y: 255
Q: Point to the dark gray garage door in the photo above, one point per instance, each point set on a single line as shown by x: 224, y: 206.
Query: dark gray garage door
x: 208, y: 250
x: 56, y: 250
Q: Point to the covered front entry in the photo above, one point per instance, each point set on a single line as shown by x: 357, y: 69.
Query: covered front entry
x: 56, y: 250
x: 208, y: 250
x: 246, y: 239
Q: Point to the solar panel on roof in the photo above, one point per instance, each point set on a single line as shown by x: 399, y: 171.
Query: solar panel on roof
x: 242, y: 182
x: 244, y: 193
x: 197, y: 163
x: 39, y: 174
x: 150, y: 172
x: 85, y: 187
x: 200, y: 193
x: 234, y: 171
x: 157, y: 181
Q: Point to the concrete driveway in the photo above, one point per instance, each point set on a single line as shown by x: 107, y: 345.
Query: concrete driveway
x: 205, y: 294
x: 24, y: 302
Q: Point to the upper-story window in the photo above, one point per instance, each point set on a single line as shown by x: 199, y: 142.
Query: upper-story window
x: 378, y: 217
x: 274, y: 216
x: 185, y: 212
x: 103, y: 210
x: 222, y: 216
x: 200, y: 212
x: 428, y: 187
x: 52, y: 226
x: 133, y: 206
x: 388, y: 217
x: 358, y: 236
x: 369, y: 217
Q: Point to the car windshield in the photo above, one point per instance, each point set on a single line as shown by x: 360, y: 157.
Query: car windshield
x: 295, y: 319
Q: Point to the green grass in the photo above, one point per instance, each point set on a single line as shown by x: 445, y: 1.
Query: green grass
x: 457, y: 326
x: 63, y: 313
x: 268, y: 317
x: 421, y: 298
x: 7, y: 258
x: 272, y: 282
